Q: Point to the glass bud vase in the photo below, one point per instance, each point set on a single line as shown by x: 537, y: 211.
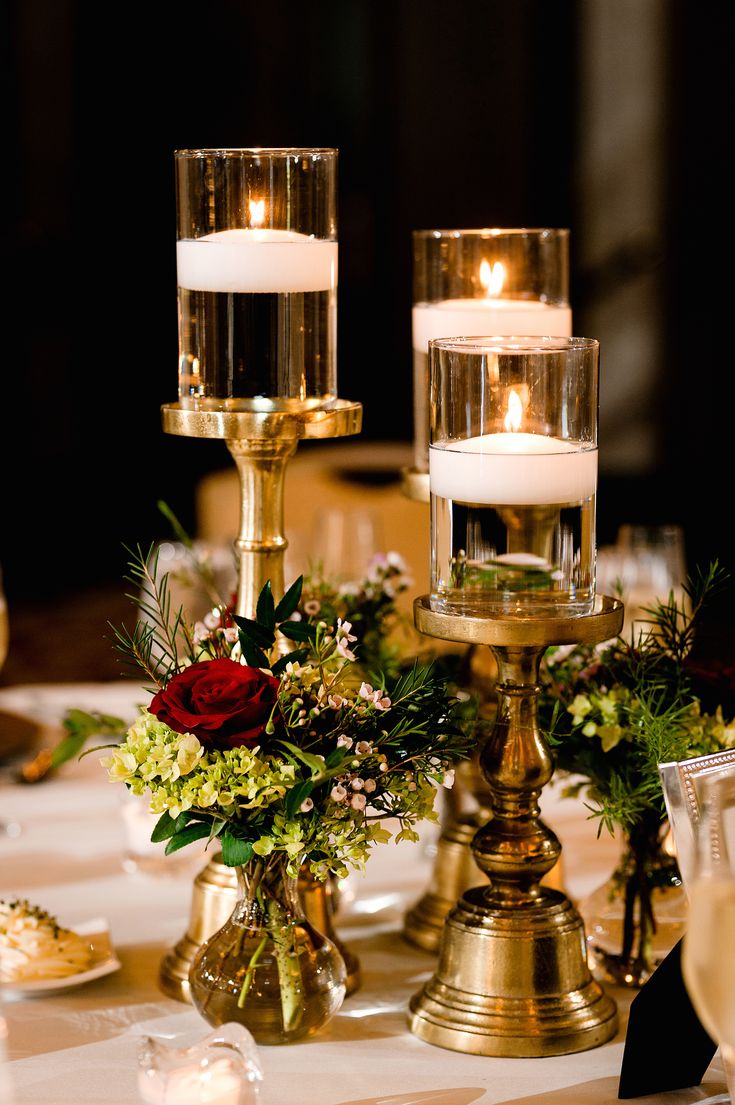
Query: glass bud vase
x: 267, y: 968
x: 637, y: 916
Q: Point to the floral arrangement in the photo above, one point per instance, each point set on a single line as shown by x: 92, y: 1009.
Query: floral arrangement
x: 613, y: 713
x: 269, y: 736
x: 286, y: 741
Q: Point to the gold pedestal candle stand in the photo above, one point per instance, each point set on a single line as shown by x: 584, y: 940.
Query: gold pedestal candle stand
x: 512, y: 977
x: 261, y: 444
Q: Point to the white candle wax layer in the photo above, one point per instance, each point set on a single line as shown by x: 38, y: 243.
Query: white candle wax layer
x: 242, y: 260
x: 513, y: 468
x: 456, y: 318
x: 191, y: 1085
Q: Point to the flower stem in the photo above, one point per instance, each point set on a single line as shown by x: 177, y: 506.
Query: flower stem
x: 250, y: 972
x: 289, y: 968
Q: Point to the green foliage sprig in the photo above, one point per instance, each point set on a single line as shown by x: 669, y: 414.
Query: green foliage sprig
x: 615, y: 712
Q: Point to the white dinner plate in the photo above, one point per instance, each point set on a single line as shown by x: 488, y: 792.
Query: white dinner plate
x: 104, y: 962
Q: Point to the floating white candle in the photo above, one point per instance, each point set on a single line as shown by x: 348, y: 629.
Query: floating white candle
x: 453, y: 318
x: 513, y: 468
x: 256, y: 260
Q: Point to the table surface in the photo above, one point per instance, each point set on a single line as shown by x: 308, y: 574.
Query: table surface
x: 80, y: 1046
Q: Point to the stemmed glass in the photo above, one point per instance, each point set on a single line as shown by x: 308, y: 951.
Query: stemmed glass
x: 708, y: 953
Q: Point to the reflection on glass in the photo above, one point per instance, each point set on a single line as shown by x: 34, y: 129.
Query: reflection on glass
x: 708, y: 959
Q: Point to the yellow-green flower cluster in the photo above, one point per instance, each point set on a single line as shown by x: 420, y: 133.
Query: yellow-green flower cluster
x: 603, y: 713
x: 181, y: 775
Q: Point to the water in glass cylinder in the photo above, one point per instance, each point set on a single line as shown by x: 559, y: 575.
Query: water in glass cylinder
x: 513, y: 525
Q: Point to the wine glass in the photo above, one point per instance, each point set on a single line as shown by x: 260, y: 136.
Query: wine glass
x: 344, y: 541
x: 708, y: 951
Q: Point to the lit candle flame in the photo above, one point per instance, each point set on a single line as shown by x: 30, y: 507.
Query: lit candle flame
x: 492, y: 277
x: 257, y: 212
x: 512, y: 420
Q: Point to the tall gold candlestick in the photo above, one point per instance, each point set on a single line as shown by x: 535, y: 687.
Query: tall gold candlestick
x: 512, y: 977
x: 261, y: 444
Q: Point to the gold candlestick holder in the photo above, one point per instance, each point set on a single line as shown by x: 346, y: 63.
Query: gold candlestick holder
x: 261, y: 443
x: 415, y: 485
x: 512, y: 977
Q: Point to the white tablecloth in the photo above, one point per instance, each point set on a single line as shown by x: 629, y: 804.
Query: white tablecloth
x: 80, y: 1047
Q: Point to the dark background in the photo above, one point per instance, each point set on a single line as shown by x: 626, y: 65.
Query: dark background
x: 463, y: 114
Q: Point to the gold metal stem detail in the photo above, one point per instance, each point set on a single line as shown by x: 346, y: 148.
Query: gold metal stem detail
x: 261, y: 543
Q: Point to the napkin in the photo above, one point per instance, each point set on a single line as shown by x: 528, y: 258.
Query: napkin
x: 666, y: 1047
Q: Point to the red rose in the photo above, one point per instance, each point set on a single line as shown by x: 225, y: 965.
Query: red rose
x: 223, y: 703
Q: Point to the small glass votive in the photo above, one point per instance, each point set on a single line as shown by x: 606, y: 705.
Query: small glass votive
x: 513, y: 475
x: 483, y: 282
x: 221, y: 1069
x: 256, y: 259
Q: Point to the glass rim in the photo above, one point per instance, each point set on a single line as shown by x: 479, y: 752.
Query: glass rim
x: 257, y: 151
x: 509, y: 344
x: 493, y: 232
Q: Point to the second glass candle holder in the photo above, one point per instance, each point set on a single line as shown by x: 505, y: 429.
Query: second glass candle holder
x: 256, y: 258
x: 485, y: 281
x: 513, y: 475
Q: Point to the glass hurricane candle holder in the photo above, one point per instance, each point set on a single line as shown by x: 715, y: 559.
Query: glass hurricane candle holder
x: 256, y: 258
x: 468, y: 282
x: 513, y: 475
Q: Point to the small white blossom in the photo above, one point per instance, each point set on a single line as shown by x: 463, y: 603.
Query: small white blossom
x: 378, y: 699
x: 338, y: 793
x: 357, y: 784
x: 344, y: 650
x: 358, y: 801
x: 448, y: 780
x: 343, y: 741
x: 306, y: 805
x: 370, y: 786
x: 363, y: 748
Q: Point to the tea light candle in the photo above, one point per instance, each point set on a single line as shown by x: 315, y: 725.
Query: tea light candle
x: 256, y: 260
x: 211, y: 1084
x: 513, y: 469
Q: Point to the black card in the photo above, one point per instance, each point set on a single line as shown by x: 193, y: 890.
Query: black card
x: 666, y: 1047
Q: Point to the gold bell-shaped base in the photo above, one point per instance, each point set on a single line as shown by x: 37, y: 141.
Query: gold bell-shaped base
x: 214, y: 896
x: 513, y: 984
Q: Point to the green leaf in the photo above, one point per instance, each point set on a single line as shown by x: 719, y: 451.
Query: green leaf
x: 80, y: 726
x: 253, y: 631
x: 290, y: 601
x: 336, y: 757
x: 265, y: 610
x: 255, y: 657
x: 315, y: 763
x: 298, y: 631
x: 295, y: 797
x: 192, y: 832
x: 235, y: 851
x: 167, y: 825
x: 294, y: 657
